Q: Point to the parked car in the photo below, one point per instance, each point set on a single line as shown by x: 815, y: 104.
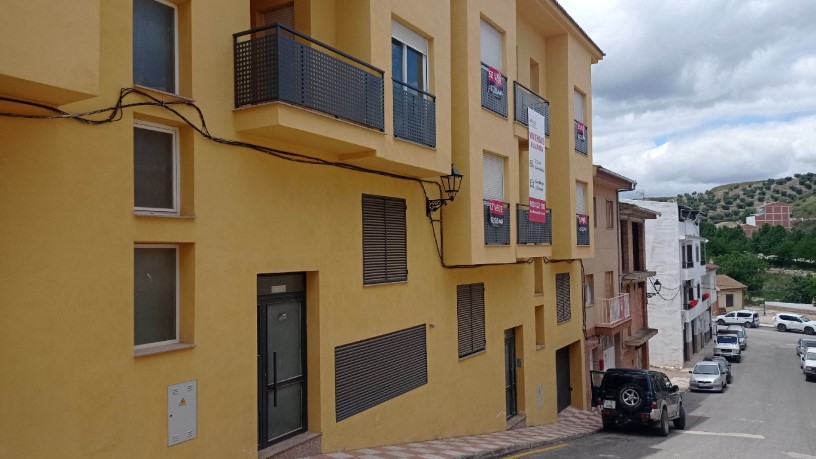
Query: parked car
x: 743, y: 317
x: 707, y: 376
x: 809, y: 363
x: 742, y: 334
x: 796, y: 322
x: 725, y: 366
x: 803, y: 344
x: 727, y: 345
x: 638, y: 397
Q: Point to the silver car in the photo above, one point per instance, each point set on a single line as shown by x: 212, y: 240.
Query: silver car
x: 707, y: 376
x: 803, y: 344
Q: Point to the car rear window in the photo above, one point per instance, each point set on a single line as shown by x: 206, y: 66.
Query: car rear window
x: 613, y: 381
x: 730, y: 339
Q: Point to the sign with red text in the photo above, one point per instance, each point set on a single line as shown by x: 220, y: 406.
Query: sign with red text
x: 496, y: 213
x: 583, y: 223
x: 495, y: 84
x: 537, y: 133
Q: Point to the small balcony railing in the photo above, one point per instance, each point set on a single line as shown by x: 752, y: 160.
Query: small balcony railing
x: 494, y: 100
x: 582, y: 229
x: 614, y: 310
x: 414, y: 114
x: 688, y: 264
x: 496, y: 233
x: 525, y: 98
x: 581, y: 137
x: 533, y: 232
x: 276, y: 63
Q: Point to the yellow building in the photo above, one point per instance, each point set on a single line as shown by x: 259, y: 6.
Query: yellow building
x: 276, y: 277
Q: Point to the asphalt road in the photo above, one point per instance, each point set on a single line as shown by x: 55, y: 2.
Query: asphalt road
x: 768, y: 411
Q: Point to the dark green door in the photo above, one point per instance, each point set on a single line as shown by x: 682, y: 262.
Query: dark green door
x: 510, y: 372
x: 562, y: 377
x: 281, y: 366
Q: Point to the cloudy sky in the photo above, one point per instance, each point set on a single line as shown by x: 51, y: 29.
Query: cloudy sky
x: 698, y: 93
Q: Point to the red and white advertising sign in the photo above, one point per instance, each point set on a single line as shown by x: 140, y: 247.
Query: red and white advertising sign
x: 496, y: 212
x: 495, y: 84
x: 538, y: 177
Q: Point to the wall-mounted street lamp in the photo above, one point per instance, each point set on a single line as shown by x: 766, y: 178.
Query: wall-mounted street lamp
x: 656, y: 286
x: 450, y: 185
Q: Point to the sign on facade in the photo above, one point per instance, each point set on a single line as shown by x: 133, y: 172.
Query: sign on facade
x: 538, y: 178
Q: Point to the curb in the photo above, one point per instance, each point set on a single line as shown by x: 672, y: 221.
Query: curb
x: 498, y: 453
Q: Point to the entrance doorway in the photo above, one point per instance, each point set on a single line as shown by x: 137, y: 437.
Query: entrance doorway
x: 511, y: 396
x: 281, y: 357
x: 562, y: 376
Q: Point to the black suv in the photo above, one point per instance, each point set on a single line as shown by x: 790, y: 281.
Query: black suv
x: 630, y: 395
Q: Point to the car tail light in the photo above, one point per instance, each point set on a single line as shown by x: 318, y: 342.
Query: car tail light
x: 644, y: 416
x: 599, y: 402
x: 654, y: 405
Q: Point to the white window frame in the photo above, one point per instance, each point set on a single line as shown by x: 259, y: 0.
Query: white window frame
x: 579, y: 185
x: 176, y: 174
x: 175, y: 46
x: 486, y: 154
x: 406, y: 37
x: 485, y: 25
x: 579, y: 101
x: 178, y: 295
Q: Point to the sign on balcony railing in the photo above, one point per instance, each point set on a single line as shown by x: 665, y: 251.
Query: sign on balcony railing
x: 582, y: 229
x: 581, y: 137
x: 538, y: 177
x: 496, y: 222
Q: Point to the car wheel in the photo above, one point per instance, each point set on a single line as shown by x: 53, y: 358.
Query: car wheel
x: 748, y: 324
x: 608, y: 424
x: 728, y: 379
x: 807, y: 378
x: 809, y: 331
x: 781, y: 327
x: 680, y: 422
x: 720, y: 322
x: 630, y: 397
x: 664, y: 424
x: 722, y: 387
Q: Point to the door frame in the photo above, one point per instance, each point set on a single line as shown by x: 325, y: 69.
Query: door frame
x: 263, y: 386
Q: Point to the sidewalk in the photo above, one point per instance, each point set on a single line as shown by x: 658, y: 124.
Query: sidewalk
x: 680, y: 376
x: 571, y: 423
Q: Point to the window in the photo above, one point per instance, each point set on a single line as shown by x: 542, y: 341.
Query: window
x: 155, y: 168
x: 409, y: 57
x: 155, y: 45
x: 491, y: 45
x: 580, y: 198
x: 610, y: 284
x: 470, y: 313
x: 399, y: 360
x: 283, y: 15
x: 595, y: 211
x: 562, y: 297
x: 493, y: 177
x: 534, y: 76
x: 610, y: 214
x: 385, y: 257
x: 155, y: 295
x: 589, y: 289
x: 729, y: 300
x: 578, y: 106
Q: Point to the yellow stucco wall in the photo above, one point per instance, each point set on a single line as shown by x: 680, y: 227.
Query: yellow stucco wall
x: 72, y: 383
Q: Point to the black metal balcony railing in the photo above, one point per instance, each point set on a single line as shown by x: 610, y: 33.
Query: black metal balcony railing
x: 533, y: 232
x: 414, y: 114
x: 582, y: 230
x: 525, y: 98
x: 688, y: 264
x: 276, y: 63
x: 492, y: 101
x: 497, y: 235
x: 581, y: 139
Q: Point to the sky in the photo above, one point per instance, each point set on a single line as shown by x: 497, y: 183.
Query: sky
x: 698, y: 93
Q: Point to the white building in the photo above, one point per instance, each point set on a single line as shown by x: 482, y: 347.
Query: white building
x: 676, y: 304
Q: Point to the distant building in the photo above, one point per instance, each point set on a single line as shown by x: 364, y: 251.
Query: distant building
x: 773, y: 213
x: 730, y: 292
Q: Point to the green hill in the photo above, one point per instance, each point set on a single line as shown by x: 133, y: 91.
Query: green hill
x: 735, y: 201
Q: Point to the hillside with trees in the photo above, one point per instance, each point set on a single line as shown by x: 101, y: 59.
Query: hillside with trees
x: 735, y: 201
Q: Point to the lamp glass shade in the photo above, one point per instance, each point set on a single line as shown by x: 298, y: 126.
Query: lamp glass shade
x: 451, y: 183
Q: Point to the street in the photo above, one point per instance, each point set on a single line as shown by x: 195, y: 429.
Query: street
x: 767, y: 412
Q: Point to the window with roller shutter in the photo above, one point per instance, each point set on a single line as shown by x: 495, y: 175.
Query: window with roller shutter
x: 470, y: 315
x: 562, y: 297
x: 385, y: 256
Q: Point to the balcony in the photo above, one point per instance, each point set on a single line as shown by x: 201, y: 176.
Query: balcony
x: 581, y: 137
x: 414, y: 115
x: 533, y: 232
x: 612, y: 314
x: 496, y: 229
x: 493, y: 99
x: 582, y: 229
x: 525, y: 98
x: 277, y: 63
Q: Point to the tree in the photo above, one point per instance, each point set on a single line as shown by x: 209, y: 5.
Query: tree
x: 744, y: 267
x: 800, y: 289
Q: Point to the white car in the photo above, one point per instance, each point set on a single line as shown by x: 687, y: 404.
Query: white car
x: 803, y: 344
x: 796, y: 322
x: 743, y: 317
x: 809, y: 363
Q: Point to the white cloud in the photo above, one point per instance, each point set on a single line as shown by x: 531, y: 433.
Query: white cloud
x: 699, y: 93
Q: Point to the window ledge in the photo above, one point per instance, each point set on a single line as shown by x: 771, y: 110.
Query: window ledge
x: 540, y: 347
x: 142, y: 213
x: 375, y: 284
x: 162, y: 349
x: 163, y: 93
x: 472, y: 355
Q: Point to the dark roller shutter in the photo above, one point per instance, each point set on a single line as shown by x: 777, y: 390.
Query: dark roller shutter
x: 374, y: 370
x: 562, y: 297
x: 470, y: 315
x: 385, y: 255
